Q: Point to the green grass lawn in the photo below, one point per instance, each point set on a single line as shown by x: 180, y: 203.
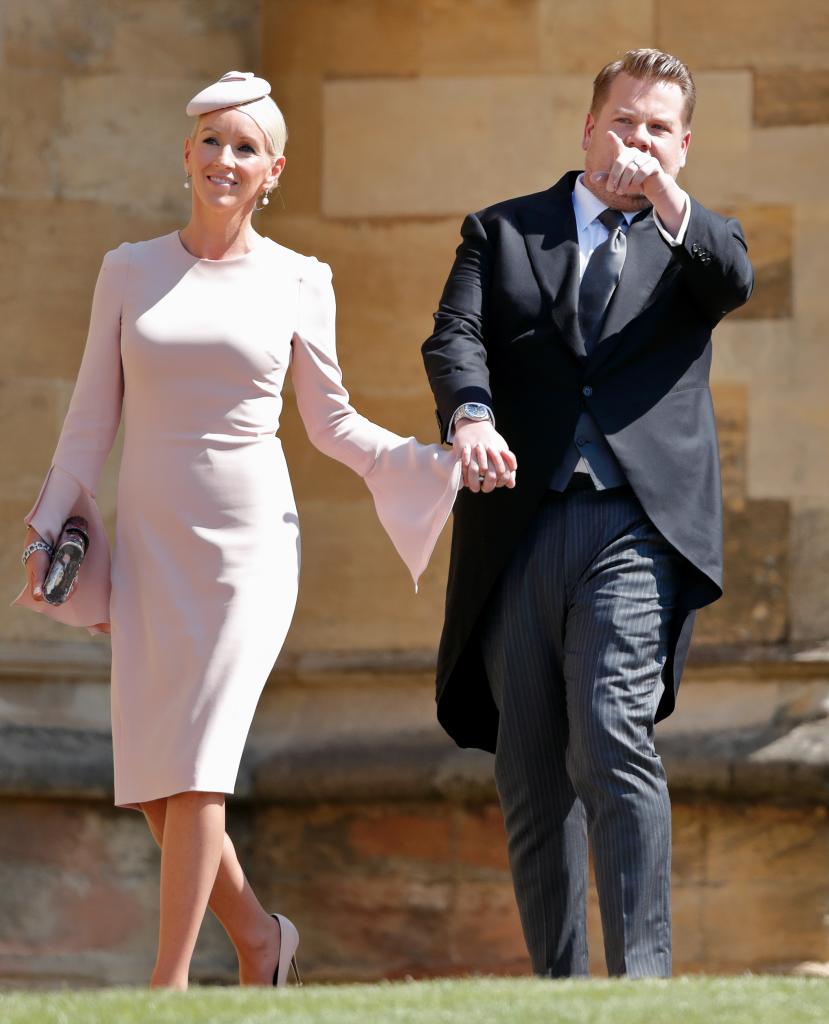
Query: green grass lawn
x: 743, y: 1000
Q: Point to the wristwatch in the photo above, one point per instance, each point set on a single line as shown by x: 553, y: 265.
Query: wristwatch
x: 473, y: 411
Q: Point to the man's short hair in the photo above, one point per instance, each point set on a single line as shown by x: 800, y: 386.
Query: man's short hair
x: 646, y: 64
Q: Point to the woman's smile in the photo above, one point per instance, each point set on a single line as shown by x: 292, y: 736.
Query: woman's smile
x: 222, y: 179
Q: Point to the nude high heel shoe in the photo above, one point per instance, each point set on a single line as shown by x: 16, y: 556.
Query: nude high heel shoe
x: 288, y: 942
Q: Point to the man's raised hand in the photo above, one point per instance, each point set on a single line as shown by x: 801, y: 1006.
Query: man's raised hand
x: 630, y: 171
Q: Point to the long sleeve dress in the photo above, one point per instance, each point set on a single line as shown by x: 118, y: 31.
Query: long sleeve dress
x: 203, y: 580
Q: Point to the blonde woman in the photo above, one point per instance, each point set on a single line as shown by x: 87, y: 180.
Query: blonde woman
x: 191, y: 336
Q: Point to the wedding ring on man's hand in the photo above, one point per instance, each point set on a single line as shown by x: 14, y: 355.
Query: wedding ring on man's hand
x: 481, y: 478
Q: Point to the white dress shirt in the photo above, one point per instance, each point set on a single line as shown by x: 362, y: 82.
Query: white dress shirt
x: 592, y: 232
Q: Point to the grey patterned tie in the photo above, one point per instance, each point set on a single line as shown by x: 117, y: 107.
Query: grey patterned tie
x: 601, y: 277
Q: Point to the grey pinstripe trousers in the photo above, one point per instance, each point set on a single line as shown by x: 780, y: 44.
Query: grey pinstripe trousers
x: 574, y: 641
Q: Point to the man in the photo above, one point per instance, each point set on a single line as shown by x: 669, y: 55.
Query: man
x: 577, y: 322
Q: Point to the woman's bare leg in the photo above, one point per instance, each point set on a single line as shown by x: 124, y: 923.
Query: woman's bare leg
x: 190, y: 854
x: 253, y: 932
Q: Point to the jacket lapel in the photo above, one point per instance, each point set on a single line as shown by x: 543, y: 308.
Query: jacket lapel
x: 648, y: 256
x: 551, y: 238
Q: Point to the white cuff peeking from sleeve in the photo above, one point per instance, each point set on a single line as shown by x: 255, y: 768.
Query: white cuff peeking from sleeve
x: 683, y: 227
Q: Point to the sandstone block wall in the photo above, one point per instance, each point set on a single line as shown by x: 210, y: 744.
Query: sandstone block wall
x: 403, y: 116
x: 406, y: 116
x: 91, y: 144
x: 388, y: 891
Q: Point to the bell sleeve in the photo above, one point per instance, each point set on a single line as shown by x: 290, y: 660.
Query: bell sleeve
x: 413, y: 485
x: 85, y: 442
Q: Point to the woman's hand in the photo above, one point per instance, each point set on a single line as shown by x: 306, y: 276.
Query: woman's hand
x: 36, y: 565
x: 485, y: 456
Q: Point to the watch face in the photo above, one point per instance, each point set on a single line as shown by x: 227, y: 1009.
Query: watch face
x: 474, y: 411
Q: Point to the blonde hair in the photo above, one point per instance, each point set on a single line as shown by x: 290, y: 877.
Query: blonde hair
x: 651, y: 65
x: 267, y: 116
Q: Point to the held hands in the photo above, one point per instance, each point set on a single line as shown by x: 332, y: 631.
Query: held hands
x: 483, y: 454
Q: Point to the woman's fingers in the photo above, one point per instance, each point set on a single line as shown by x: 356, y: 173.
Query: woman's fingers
x: 507, y: 464
x: 467, y: 472
x: 478, y: 469
x: 496, y: 472
x: 36, y: 567
x: 511, y: 464
x: 481, y: 458
x: 470, y: 471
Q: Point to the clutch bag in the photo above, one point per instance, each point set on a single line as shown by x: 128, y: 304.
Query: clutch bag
x: 70, y: 551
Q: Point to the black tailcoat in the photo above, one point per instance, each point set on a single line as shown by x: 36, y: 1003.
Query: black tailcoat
x: 506, y: 333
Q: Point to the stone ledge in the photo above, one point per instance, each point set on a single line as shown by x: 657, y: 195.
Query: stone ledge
x: 55, y: 662
x: 782, y: 661
x: 788, y: 764
x: 775, y: 748
x: 90, y: 661
x: 55, y: 763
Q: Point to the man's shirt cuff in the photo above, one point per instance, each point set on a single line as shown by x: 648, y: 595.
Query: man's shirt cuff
x: 683, y: 227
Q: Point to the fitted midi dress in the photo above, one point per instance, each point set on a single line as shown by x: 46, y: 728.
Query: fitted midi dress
x: 203, y: 579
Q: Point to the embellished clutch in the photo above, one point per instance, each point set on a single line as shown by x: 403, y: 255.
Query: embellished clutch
x: 62, y: 574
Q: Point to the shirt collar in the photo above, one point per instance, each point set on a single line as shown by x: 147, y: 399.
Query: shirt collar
x: 587, y: 207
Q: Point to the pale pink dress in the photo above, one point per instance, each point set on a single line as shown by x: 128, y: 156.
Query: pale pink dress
x: 206, y: 558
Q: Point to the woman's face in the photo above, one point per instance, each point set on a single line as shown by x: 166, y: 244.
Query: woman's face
x: 229, y: 161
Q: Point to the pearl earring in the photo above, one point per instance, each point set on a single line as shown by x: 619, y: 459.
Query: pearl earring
x: 265, y: 199
x: 187, y: 181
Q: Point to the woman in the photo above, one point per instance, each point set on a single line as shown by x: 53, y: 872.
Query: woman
x: 192, y: 334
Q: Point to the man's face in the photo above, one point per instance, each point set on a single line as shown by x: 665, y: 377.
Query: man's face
x: 647, y: 116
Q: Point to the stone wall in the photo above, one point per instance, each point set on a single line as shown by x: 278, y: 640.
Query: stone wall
x: 91, y: 145
x: 359, y: 819
x: 403, y: 115
x: 413, y: 890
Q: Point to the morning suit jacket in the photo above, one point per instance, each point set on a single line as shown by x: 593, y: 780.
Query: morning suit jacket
x: 507, y: 334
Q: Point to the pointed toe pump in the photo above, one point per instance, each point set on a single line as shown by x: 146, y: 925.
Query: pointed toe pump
x: 288, y: 943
